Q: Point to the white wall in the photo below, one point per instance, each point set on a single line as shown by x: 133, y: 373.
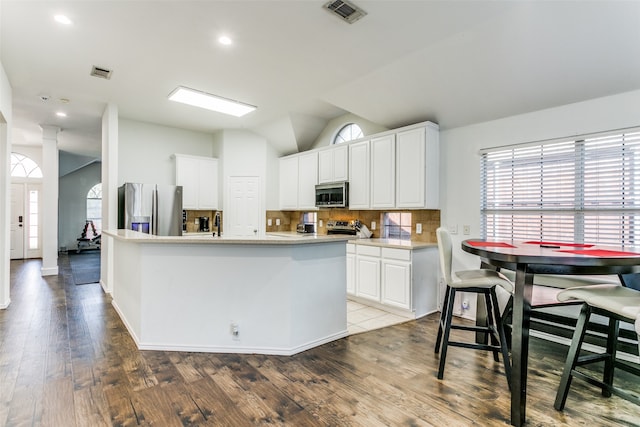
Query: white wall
x: 460, y: 158
x: 6, y: 116
x: 73, y: 203
x: 145, y: 151
x: 333, y: 126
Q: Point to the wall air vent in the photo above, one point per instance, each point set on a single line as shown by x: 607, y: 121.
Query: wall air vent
x: 345, y: 10
x: 100, y: 72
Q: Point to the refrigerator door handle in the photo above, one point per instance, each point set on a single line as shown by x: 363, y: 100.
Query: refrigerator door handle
x: 154, y: 211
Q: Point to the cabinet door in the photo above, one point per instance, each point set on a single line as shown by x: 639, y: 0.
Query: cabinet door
x: 411, y: 164
x: 208, y: 184
x: 340, y: 163
x: 325, y: 166
x: 396, y: 283
x: 187, y: 177
x: 307, y: 180
x: 368, y: 277
x: 351, y: 274
x: 359, y: 175
x: 383, y: 172
x: 289, y: 182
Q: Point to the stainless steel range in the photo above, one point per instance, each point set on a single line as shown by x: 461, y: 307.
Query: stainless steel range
x: 342, y: 227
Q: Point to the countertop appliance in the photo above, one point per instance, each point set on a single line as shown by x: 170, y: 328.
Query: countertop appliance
x: 334, y: 195
x: 203, y: 223
x: 150, y: 208
x: 306, y: 228
x: 341, y: 227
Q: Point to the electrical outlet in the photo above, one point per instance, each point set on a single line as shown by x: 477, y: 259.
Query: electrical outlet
x: 320, y: 223
x: 277, y: 221
x: 373, y: 225
x: 465, y: 304
x: 269, y: 222
x: 234, y: 329
x: 418, y: 228
x: 466, y: 229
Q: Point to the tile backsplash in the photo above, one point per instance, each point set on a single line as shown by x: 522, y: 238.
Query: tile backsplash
x: 429, y: 218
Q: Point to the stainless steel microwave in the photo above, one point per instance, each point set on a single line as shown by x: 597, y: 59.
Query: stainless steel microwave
x: 334, y: 195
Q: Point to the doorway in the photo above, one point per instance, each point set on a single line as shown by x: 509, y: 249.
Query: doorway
x: 26, y: 227
x: 244, y: 207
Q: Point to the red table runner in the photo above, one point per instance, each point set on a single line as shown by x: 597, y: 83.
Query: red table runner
x: 490, y: 244
x: 571, y: 245
x: 600, y: 253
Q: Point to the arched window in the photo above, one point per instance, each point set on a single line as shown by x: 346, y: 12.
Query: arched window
x: 348, y: 132
x: 24, y: 167
x: 94, y: 209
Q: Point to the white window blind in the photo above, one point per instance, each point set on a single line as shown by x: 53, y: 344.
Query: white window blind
x: 583, y: 191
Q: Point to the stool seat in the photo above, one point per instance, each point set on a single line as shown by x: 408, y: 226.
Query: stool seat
x: 617, y: 303
x: 480, y: 278
x: 624, y: 302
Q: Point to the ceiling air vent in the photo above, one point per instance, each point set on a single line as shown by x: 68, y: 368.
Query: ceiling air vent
x: 345, y: 10
x: 100, y: 72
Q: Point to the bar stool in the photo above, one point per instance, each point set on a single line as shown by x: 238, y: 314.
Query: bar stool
x: 615, y: 302
x: 479, y: 281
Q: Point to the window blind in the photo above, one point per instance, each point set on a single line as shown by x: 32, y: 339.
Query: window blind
x: 585, y: 190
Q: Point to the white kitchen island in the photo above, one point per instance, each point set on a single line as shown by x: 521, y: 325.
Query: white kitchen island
x: 281, y: 294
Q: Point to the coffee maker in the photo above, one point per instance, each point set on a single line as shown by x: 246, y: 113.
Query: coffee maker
x: 204, y: 224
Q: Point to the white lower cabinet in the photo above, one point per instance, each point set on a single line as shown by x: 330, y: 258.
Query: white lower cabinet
x: 396, y: 277
x: 404, y: 281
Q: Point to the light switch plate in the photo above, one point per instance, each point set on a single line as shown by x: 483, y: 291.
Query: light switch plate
x: 277, y: 221
x: 418, y: 228
x: 373, y: 225
x: 269, y: 222
x: 320, y: 223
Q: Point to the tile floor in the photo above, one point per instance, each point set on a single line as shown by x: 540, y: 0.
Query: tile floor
x: 362, y: 318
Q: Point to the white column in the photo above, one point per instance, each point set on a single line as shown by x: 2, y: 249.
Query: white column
x: 109, y: 193
x: 49, y: 200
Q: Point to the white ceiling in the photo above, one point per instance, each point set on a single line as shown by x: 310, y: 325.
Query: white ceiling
x: 452, y: 62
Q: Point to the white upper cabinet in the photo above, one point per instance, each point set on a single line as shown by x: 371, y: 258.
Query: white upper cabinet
x: 333, y: 164
x: 417, y: 171
x: 383, y: 172
x: 359, y: 176
x: 198, y: 177
x: 289, y: 182
x: 307, y: 180
x: 298, y: 179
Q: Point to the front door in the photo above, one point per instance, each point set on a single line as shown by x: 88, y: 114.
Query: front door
x: 17, y: 221
x: 242, y: 218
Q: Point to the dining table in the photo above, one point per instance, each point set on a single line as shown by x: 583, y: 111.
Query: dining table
x: 527, y: 258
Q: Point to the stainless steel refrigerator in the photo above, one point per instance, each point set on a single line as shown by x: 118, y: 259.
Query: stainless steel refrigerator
x: 150, y: 208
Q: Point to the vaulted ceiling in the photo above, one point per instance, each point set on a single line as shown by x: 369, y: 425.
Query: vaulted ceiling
x: 452, y: 62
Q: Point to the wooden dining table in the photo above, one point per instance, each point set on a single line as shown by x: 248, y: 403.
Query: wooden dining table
x: 528, y: 258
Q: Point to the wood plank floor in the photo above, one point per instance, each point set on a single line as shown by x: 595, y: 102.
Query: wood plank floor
x: 67, y: 360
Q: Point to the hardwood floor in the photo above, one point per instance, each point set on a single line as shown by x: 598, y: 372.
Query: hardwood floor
x: 67, y: 360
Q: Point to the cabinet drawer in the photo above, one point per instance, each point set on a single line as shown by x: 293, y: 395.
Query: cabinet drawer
x: 394, y: 253
x: 368, y: 250
x: 351, y: 248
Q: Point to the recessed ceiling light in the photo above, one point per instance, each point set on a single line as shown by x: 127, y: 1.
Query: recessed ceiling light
x: 61, y: 114
x: 210, y: 102
x: 225, y: 40
x: 62, y: 19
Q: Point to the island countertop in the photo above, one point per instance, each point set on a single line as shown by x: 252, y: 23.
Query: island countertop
x: 283, y: 238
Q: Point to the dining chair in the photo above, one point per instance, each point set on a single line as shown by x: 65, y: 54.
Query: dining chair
x: 615, y: 302
x: 480, y: 281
